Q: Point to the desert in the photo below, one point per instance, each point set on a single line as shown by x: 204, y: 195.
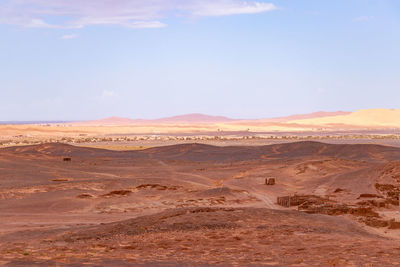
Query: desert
x: 199, y: 133
x: 200, y: 204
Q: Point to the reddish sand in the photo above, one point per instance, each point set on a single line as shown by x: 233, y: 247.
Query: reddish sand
x: 314, y: 115
x: 199, y: 205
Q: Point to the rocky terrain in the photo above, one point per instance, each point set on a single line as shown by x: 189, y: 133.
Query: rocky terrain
x: 196, y: 204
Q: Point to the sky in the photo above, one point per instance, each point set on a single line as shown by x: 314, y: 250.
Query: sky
x: 90, y: 59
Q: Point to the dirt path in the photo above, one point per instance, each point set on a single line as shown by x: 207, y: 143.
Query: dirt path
x: 265, y: 198
x: 206, y: 180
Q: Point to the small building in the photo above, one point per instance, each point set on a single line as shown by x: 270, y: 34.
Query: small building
x: 270, y: 181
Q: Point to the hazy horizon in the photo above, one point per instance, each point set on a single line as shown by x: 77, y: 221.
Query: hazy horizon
x: 73, y: 60
x: 166, y: 117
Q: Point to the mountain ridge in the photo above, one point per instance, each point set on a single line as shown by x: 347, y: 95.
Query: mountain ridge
x: 204, y: 118
x: 361, y: 119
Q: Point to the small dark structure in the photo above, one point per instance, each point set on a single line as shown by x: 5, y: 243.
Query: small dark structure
x: 295, y: 200
x: 270, y: 181
x: 67, y: 159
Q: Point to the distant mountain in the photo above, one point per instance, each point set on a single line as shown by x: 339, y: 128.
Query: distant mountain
x: 188, y: 118
x: 195, y: 118
x: 370, y: 118
x: 30, y: 122
x: 202, y: 118
x: 112, y: 121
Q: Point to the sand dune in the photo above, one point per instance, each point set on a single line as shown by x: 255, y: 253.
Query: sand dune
x: 209, y: 153
x: 319, y: 114
x: 374, y: 120
x: 369, y: 118
x: 366, y: 118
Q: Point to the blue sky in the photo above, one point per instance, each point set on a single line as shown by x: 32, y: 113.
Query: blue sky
x: 77, y: 60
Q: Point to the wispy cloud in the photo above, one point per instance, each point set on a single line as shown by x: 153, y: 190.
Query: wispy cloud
x: 226, y: 8
x: 69, y: 36
x: 364, y: 18
x: 108, y: 93
x: 127, y: 13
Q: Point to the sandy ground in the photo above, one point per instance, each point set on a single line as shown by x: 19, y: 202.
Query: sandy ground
x: 195, y: 204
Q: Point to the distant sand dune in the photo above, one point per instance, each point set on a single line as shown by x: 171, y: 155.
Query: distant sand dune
x: 367, y: 118
x: 372, y: 119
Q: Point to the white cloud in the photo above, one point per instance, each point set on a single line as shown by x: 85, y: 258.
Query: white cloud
x: 38, y: 23
x: 107, y: 94
x: 128, y: 13
x: 146, y: 25
x: 117, y: 21
x: 364, y: 18
x: 69, y: 36
x: 226, y: 8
